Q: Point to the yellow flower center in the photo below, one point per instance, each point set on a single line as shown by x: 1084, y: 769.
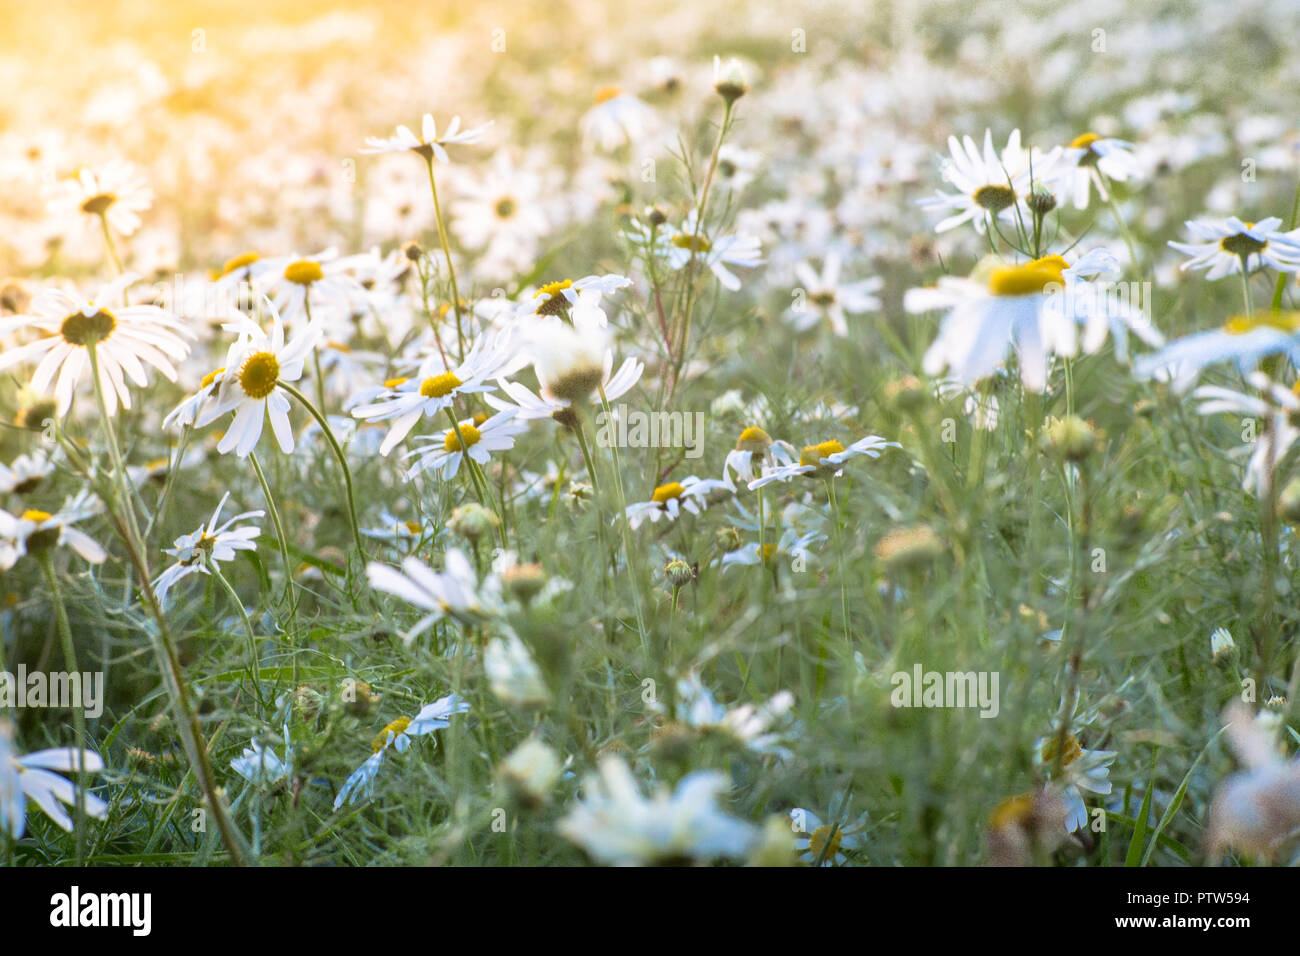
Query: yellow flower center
x: 994, y: 198
x: 211, y: 377
x: 823, y: 844
x: 753, y: 438
x: 239, y: 262
x: 813, y: 454
x: 258, y: 374
x: 666, y: 493
x: 767, y: 552
x: 1071, y: 753
x: 304, y: 272
x: 37, y: 516
x: 1084, y: 141
x: 394, y: 382
x: 693, y: 243
x: 413, y: 527
x: 557, y: 304
x: 1241, y: 244
x: 439, y: 386
x: 607, y: 93
x: 84, y: 330
x: 505, y: 207
x: 98, y: 205
x: 396, y: 729
x: 339, y: 346
x: 1030, y: 278
x: 1013, y: 811
x: 1282, y: 321
x: 468, y: 432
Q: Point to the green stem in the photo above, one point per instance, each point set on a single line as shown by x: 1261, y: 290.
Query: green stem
x: 279, y: 534
x: 112, y: 247
x: 253, y: 666
x: 446, y: 251
x: 46, y: 562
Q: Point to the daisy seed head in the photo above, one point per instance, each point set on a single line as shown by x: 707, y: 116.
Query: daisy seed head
x: 994, y: 198
x: 86, y: 330
x: 679, y: 573
x: 753, y: 439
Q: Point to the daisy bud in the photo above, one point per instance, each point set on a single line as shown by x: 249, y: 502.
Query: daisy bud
x: 1041, y: 201
x: 472, y: 521
x: 523, y: 581
x: 359, y: 698
x: 413, y: 251
x: 578, y: 495
x: 530, y: 773
x: 679, y: 573
x: 908, y: 548
x: 1070, y: 438
x: 1222, y: 647
x: 729, y: 81
x: 1288, y: 502
x: 307, y: 701
x: 729, y: 538
x: 656, y: 216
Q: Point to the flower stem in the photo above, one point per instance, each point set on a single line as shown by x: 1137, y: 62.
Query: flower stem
x: 279, y: 533
x: 253, y: 666
x: 108, y: 242
x: 46, y: 562
x: 338, y: 454
x: 446, y: 251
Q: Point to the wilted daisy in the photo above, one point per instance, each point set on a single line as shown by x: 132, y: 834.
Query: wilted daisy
x: 691, y: 494
x: 25, y: 473
x: 1084, y: 770
x: 262, y: 767
x: 715, y: 253
x: 211, y: 542
x: 1276, y: 406
x: 614, y: 119
x: 124, y: 337
x: 1090, y: 160
x: 824, y: 459
x: 444, y: 453
x: 435, y: 388
x: 33, y: 531
x: 827, y: 299
x: 397, y: 736
x: 616, y: 825
x: 114, y: 191
x: 1224, y: 247
x: 1243, y: 340
x: 989, y: 185
x: 512, y: 673
x: 255, y: 365
x: 428, y: 144
x: 24, y: 777
x: 453, y: 591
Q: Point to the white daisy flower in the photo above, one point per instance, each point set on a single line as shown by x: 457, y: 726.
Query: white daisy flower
x: 1084, y: 770
x: 1090, y: 160
x: 115, y: 191
x: 529, y: 405
x: 748, y: 724
x: 825, y: 844
x: 296, y: 285
x: 825, y: 298
x: 124, y: 338
x: 428, y: 144
x: 25, y: 473
x: 1257, y: 809
x: 615, y: 118
x: 691, y: 494
x: 616, y: 825
x: 185, y: 414
x: 1222, y: 247
x: 454, y: 591
x: 33, y: 530
x: 210, y: 542
x: 512, y: 673
x: 1277, y: 406
x: 435, y: 389
x: 989, y: 184
x: 558, y: 298
x: 755, y: 450
x: 445, y: 453
x: 262, y: 767
x: 256, y: 363
x: 397, y: 736
x: 825, y: 459
x: 24, y: 777
x: 791, y: 544
x: 714, y: 253
x: 1243, y: 340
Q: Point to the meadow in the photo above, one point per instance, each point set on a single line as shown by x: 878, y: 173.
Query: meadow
x: 762, y: 434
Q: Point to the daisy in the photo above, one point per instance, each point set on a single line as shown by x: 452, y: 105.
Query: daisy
x: 559, y: 297
x: 825, y: 298
x: 615, y: 118
x: 512, y: 673
x: 185, y: 414
x: 1243, y: 340
x: 502, y: 214
x: 123, y: 338
x: 1277, y: 406
x: 690, y: 244
x: 25, y: 473
x: 1084, y: 770
x: 616, y: 825
x: 826, y: 843
x: 1225, y: 247
x: 989, y: 184
x: 791, y: 544
x: 670, y: 500
x: 748, y: 724
x: 428, y: 144
x: 823, y: 460
x: 454, y: 591
x: 756, y: 449
x: 1090, y: 160
x: 29, y: 777
x: 33, y: 531
x: 209, y: 543
x: 296, y: 284
x: 256, y: 363
x: 444, y: 454
x: 530, y: 405
x: 434, y: 389
x: 263, y: 768
x: 397, y: 735
x: 395, y: 531
x: 115, y: 192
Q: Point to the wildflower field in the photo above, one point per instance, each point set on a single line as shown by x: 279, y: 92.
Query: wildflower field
x: 762, y: 434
